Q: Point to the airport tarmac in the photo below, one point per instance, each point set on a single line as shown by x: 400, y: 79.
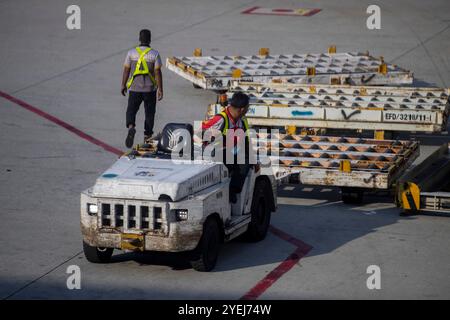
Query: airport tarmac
x: 62, y: 123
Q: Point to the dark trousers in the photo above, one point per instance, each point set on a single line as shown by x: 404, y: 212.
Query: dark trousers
x: 134, y: 102
x: 238, y: 173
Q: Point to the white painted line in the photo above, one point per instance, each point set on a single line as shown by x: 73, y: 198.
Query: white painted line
x: 300, y: 201
x: 328, y: 204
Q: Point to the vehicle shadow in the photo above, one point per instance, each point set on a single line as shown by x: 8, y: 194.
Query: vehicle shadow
x: 177, y: 261
x: 317, y: 216
x: 312, y: 214
x: 422, y: 83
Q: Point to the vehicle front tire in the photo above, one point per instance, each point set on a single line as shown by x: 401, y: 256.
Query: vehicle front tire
x: 207, y: 251
x: 260, y: 220
x: 96, y: 254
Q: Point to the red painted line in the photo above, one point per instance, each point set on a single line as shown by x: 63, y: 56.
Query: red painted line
x: 61, y: 123
x: 286, y: 237
x: 282, y: 10
x: 255, y: 292
x: 312, y: 12
x: 273, y: 276
x: 278, y: 12
x: 274, y: 14
x: 250, y: 10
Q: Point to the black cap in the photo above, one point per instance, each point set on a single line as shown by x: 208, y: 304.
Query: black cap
x: 145, y: 36
x: 239, y: 100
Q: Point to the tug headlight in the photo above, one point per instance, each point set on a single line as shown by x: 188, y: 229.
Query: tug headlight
x: 181, y: 214
x: 92, y: 209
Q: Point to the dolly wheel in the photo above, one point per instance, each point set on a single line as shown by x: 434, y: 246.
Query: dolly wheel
x: 352, y: 195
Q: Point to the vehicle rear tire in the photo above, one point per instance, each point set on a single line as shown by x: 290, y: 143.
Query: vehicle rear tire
x: 207, y: 251
x: 96, y: 254
x: 352, y: 195
x: 260, y: 220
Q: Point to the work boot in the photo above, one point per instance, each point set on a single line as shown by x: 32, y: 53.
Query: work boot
x: 130, y: 137
x: 147, y: 138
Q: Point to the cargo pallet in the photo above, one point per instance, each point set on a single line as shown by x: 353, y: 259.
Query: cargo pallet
x: 343, y: 91
x: 353, y: 68
x: 343, y: 107
x: 354, y: 164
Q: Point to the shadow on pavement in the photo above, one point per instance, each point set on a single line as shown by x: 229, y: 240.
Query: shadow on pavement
x: 327, y: 224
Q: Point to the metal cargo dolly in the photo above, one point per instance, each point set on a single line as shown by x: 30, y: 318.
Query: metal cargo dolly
x: 353, y: 164
x: 353, y: 68
x: 381, y: 109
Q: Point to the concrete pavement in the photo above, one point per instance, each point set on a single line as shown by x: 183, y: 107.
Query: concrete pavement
x: 75, y: 76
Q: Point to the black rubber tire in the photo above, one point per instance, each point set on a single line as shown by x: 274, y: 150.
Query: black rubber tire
x: 196, y: 86
x: 352, y: 195
x: 97, y: 255
x: 205, y: 255
x: 260, y: 220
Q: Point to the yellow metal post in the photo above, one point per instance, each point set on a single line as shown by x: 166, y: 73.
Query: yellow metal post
x: 264, y: 51
x: 237, y: 73
x: 379, y: 135
x: 332, y: 49
x: 291, y: 130
x: 382, y: 68
x: 345, y: 166
x: 198, y: 52
x: 310, y: 71
x: 410, y: 196
x: 335, y: 81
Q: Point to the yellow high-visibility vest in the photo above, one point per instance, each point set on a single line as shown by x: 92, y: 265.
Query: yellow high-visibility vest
x: 225, y: 128
x: 141, y: 62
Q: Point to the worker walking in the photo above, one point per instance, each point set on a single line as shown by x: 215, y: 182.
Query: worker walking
x: 142, y: 77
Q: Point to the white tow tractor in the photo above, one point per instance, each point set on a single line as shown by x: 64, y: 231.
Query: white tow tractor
x: 147, y: 201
